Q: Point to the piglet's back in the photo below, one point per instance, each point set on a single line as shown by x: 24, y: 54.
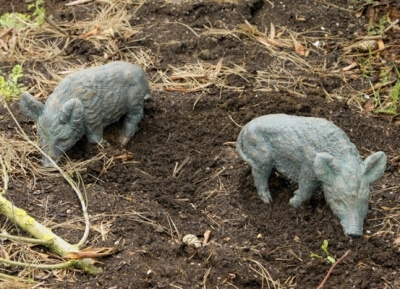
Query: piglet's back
x: 107, y: 92
x: 299, y: 137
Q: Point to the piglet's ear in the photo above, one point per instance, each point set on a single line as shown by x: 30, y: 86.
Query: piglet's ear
x: 326, y: 167
x: 375, y: 166
x: 30, y: 106
x: 72, y: 112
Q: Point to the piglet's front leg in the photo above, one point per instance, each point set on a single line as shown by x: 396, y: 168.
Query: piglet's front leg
x: 130, y: 124
x: 304, y: 192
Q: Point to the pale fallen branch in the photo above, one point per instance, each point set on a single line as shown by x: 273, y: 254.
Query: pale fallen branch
x: 37, y: 230
x: 63, y: 265
x: 24, y: 239
x: 22, y: 283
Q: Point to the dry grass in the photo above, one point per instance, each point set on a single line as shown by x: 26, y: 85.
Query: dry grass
x: 266, y: 280
x: 198, y: 77
x: 23, y: 161
x: 388, y: 220
x: 24, y: 252
x: 47, y: 45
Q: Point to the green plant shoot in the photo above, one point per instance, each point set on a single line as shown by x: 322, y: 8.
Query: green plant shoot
x: 390, y: 106
x: 324, y: 248
x: 10, y: 87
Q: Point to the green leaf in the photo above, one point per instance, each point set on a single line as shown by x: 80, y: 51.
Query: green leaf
x: 324, y: 247
x: 11, y: 20
x: 313, y: 255
x: 331, y: 259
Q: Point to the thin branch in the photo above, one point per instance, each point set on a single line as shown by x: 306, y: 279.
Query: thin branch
x: 38, y: 266
x: 331, y: 269
x: 16, y: 279
x: 25, y: 239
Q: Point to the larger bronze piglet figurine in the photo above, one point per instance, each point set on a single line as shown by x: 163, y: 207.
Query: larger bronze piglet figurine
x: 84, y: 103
x: 314, y: 153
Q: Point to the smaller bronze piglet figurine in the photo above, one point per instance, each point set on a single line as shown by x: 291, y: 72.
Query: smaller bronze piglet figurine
x: 314, y: 153
x: 84, y: 103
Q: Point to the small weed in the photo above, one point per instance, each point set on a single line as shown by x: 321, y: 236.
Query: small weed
x: 10, y: 88
x: 10, y: 20
x: 366, y: 66
x: 391, y: 104
x: 38, y: 11
x: 324, y: 248
x: 20, y: 20
x: 373, y: 29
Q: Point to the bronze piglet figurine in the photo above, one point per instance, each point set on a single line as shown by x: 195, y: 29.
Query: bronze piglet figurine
x: 84, y: 103
x: 314, y: 153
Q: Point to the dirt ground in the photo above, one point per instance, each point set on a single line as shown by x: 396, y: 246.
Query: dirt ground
x: 181, y: 174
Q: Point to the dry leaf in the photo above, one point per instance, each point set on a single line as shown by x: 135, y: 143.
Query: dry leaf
x: 359, y: 12
x: 369, y: 105
x: 272, y: 32
x: 89, y: 253
x: 397, y: 240
x: 381, y: 45
x: 124, y: 157
x: 218, y: 67
x: 108, y: 32
x: 300, y: 48
x: 92, y: 32
x: 207, y: 235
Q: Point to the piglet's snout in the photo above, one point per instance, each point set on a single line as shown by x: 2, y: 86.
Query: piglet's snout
x: 353, y: 225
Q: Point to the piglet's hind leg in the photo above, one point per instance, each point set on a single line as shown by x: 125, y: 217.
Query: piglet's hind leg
x: 95, y: 135
x: 261, y: 176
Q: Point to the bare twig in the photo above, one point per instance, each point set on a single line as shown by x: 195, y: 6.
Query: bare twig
x: 207, y: 235
x: 331, y: 269
x: 393, y: 24
x: 78, y: 2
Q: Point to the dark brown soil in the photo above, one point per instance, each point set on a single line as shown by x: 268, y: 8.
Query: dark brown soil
x: 214, y: 188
